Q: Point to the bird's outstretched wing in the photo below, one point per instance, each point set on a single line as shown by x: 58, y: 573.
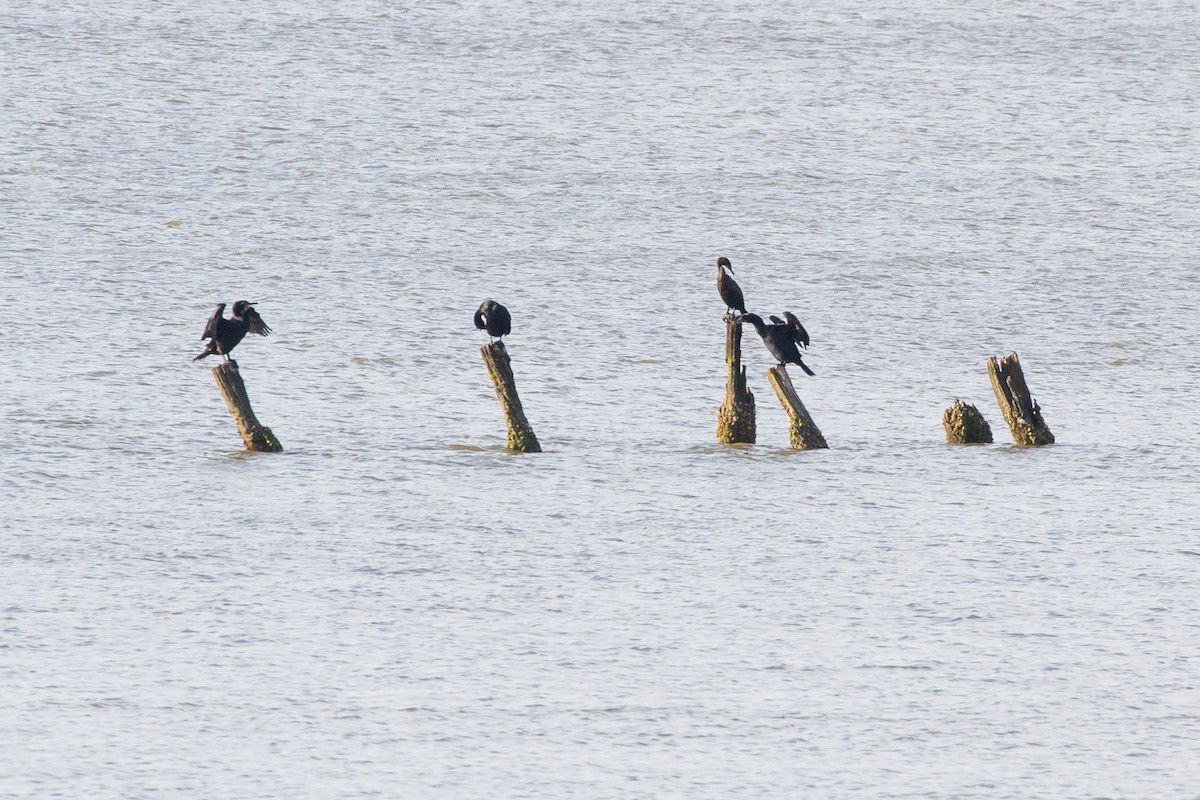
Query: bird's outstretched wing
x: 254, y: 323
x: 776, y: 320
x: 210, y: 330
x: 798, y: 332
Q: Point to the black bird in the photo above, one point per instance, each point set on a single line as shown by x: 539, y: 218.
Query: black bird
x: 494, y: 318
x: 727, y: 287
x: 224, y: 334
x: 780, y: 340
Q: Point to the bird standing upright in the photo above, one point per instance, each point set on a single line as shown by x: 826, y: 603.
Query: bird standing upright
x: 494, y: 318
x: 780, y: 340
x: 224, y: 334
x: 727, y: 287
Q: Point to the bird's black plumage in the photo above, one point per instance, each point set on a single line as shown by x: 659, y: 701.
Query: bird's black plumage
x: 224, y: 334
x: 780, y: 340
x: 493, y: 318
x: 727, y: 287
x: 798, y: 332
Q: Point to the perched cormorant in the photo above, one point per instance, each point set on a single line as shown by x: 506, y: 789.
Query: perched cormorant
x: 798, y: 332
x: 780, y: 340
x: 494, y: 318
x: 727, y: 287
x: 224, y: 334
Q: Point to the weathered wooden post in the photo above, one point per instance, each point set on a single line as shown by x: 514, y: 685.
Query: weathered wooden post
x: 965, y: 425
x: 803, y: 432
x: 257, y: 437
x: 520, y: 435
x: 735, y: 417
x: 1021, y: 412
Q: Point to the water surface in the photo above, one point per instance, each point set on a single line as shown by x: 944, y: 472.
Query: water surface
x: 395, y: 607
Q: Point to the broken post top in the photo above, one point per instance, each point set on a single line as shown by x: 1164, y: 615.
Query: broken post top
x: 498, y: 350
x: 735, y: 417
x: 802, y: 430
x: 521, y: 437
x: 256, y: 436
x: 965, y: 425
x: 1021, y: 411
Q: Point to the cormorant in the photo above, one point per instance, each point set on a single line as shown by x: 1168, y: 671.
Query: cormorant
x: 780, y: 340
x: 494, y: 318
x: 727, y: 287
x: 224, y: 334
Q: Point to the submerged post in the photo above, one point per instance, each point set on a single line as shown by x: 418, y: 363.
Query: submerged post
x: 735, y: 417
x: 257, y: 437
x: 965, y: 425
x: 1021, y: 412
x: 803, y: 432
x: 520, y: 435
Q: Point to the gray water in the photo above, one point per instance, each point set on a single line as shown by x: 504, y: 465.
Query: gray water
x: 395, y: 606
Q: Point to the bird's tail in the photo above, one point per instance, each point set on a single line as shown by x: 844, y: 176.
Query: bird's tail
x: 804, y: 367
x: 202, y: 355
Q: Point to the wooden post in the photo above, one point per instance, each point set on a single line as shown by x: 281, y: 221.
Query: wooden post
x: 520, y: 435
x: 257, y: 437
x: 1021, y: 412
x: 965, y: 425
x: 801, y: 429
x: 735, y: 417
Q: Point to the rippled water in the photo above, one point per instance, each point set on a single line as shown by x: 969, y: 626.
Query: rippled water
x: 396, y: 607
